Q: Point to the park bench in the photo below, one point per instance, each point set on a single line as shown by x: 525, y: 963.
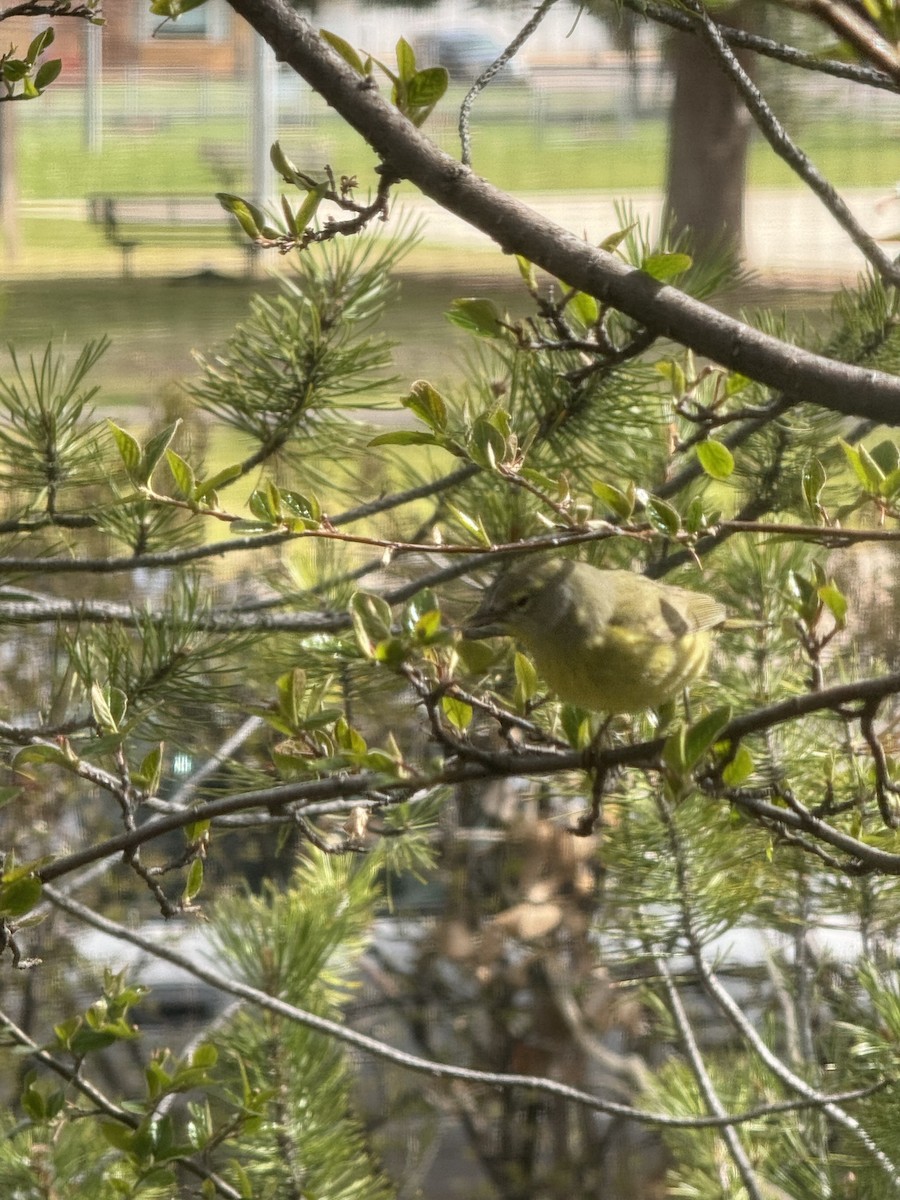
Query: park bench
x: 130, y: 221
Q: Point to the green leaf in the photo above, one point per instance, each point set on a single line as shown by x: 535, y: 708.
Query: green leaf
x: 427, y: 87
x: 886, y: 456
x: 307, y: 209
x: 663, y: 517
x: 226, y: 475
x: 428, y: 405
x: 47, y: 72
x: 584, y: 308
x: 129, y: 449
x: 154, y: 450
x: 306, y: 508
x: 739, y: 769
x: 614, y: 499
x: 20, y: 896
x: 194, y: 881
x: 664, y: 266
x: 182, y: 473
x: 835, y: 601
x: 149, y: 773
x: 457, y: 712
x: 39, y: 44
x: 290, y: 688
x: 527, y: 271
x: 42, y: 752
x: 715, y: 459
x: 674, y: 372
x: 101, y: 710
x: 703, y: 735
x: 406, y: 60
x: 613, y: 240
x: 864, y: 467
x: 526, y: 680
x: 486, y: 444
x: 405, y: 437
x: 250, y: 218
x: 250, y: 527
x: 472, y: 525
x: 812, y: 480
x: 481, y: 317
x: 371, y: 616
x: 265, y: 504
x: 344, y: 49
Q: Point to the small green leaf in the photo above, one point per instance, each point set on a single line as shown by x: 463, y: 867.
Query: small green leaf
x: 307, y: 209
x: 251, y: 527
x: 835, y: 601
x: 457, y: 712
x: 250, y: 218
x: 154, y: 450
x: 526, y: 680
x: 129, y: 449
x: 39, y: 44
x: 406, y: 60
x: 584, y: 308
x: 427, y: 87
x: 47, y: 72
x: 703, y: 735
x: 20, y: 896
x: 739, y: 769
x: 182, y: 473
x: 405, y: 437
x: 812, y: 480
x: 100, y: 708
x: 481, y: 317
x: 663, y: 517
x: 614, y: 499
x: 527, y: 271
x: 194, y: 881
x: 864, y: 466
x: 666, y: 266
x: 42, y: 752
x: 428, y: 405
x: 613, y: 240
x: 344, y: 49
x: 371, y: 616
x: 674, y: 372
x: 715, y: 459
x: 486, y: 444
x: 226, y: 475
x: 473, y: 525
x: 150, y: 771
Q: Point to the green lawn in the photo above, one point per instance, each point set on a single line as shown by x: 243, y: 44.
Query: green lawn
x: 520, y: 146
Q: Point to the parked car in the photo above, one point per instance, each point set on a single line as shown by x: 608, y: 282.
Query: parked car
x: 466, y: 52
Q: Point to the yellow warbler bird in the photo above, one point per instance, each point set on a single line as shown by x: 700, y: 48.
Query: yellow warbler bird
x: 610, y: 641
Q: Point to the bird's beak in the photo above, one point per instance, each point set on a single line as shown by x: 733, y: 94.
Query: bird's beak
x: 483, y: 624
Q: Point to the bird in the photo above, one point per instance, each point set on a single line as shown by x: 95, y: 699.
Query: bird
x: 611, y: 641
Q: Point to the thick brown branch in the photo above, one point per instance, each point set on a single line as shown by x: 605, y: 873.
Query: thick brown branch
x: 517, y: 229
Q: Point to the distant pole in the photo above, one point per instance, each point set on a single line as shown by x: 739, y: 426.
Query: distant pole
x: 263, y: 126
x: 93, y: 88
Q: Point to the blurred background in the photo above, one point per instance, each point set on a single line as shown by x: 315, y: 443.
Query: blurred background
x: 107, y: 182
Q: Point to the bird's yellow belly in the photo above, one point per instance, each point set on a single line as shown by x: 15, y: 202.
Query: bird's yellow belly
x: 623, y: 672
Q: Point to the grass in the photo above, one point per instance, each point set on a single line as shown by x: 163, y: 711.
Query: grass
x: 518, y: 145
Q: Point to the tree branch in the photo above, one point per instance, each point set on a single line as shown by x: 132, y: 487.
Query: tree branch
x: 517, y: 229
x: 414, y: 1062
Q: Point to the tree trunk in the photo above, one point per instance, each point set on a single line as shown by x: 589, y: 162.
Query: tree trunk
x: 709, y: 135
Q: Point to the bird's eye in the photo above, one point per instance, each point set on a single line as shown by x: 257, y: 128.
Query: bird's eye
x: 519, y: 601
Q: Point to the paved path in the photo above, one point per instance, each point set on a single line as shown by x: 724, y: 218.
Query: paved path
x: 789, y: 235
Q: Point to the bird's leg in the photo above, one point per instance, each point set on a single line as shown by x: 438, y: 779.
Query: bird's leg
x: 586, y: 825
x: 598, y: 772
